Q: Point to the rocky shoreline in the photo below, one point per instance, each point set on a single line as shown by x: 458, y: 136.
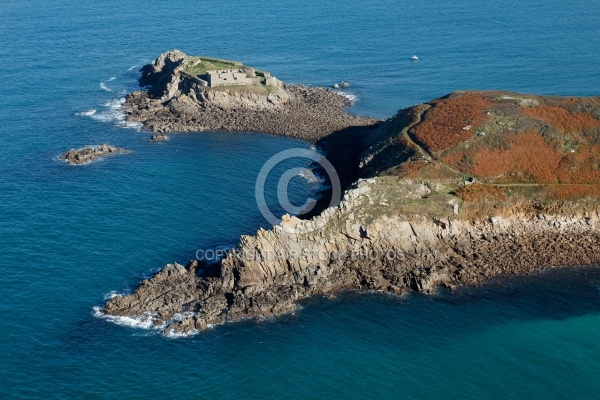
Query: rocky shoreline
x: 270, y: 272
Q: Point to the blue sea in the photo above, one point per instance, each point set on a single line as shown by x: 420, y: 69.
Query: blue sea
x: 72, y: 236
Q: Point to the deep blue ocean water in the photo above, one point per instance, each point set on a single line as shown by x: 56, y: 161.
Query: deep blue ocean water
x: 71, y: 235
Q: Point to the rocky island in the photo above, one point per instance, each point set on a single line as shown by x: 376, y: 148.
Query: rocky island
x: 452, y: 192
x: 192, y: 93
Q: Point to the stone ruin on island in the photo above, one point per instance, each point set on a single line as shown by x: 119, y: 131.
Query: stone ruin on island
x: 238, y: 75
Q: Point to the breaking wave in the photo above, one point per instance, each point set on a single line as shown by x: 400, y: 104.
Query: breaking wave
x: 178, y: 335
x: 87, y: 113
x: 350, y: 96
x: 311, y: 177
x: 144, y: 321
x: 111, y: 111
x: 111, y: 295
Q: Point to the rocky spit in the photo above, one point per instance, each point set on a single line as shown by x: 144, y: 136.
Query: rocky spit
x: 174, y: 102
x: 88, y: 154
x: 269, y: 272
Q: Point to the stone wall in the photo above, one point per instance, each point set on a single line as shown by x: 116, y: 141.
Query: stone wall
x: 229, y: 77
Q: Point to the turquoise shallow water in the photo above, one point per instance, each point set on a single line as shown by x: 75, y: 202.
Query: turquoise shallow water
x: 70, y: 236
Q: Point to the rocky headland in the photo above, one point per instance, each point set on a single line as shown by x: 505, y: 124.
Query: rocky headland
x: 451, y: 192
x: 88, y: 154
x: 190, y: 94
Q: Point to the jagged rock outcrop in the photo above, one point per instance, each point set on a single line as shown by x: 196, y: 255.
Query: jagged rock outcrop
x: 88, y: 154
x: 163, y: 75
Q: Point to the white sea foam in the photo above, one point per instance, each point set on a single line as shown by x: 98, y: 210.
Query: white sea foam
x: 104, y: 87
x: 133, y: 125
x: 310, y: 176
x: 132, y: 68
x: 87, y: 113
x: 350, y: 96
x: 178, y: 335
x: 144, y: 321
x: 110, y: 115
x: 179, y: 316
x: 115, y: 103
x: 112, y: 78
x: 112, y: 294
x: 176, y: 318
x: 111, y: 112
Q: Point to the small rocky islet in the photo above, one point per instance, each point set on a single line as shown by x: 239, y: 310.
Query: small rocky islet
x: 88, y: 154
x: 452, y: 192
x: 194, y: 94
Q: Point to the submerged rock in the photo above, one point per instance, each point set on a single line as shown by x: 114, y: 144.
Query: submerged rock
x: 159, y: 137
x: 89, y: 154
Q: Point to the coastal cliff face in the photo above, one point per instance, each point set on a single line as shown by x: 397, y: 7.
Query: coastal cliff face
x: 176, y: 101
x: 455, y: 191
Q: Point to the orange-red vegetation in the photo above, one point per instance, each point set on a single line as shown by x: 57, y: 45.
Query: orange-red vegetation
x: 570, y: 192
x: 410, y: 170
x: 442, y: 127
x: 476, y: 192
x: 562, y: 119
x: 459, y: 159
x: 582, y: 166
x: 528, y: 155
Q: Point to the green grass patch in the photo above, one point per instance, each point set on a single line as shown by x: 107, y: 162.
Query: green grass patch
x: 200, y: 65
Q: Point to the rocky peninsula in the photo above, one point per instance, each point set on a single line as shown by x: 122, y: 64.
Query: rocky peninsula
x: 88, y: 154
x: 451, y: 192
x: 190, y: 94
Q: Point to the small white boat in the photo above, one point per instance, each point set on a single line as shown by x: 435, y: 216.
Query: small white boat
x: 414, y: 57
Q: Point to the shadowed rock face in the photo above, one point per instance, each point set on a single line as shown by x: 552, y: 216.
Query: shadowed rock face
x: 89, y: 154
x: 175, y: 102
x: 422, y: 215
